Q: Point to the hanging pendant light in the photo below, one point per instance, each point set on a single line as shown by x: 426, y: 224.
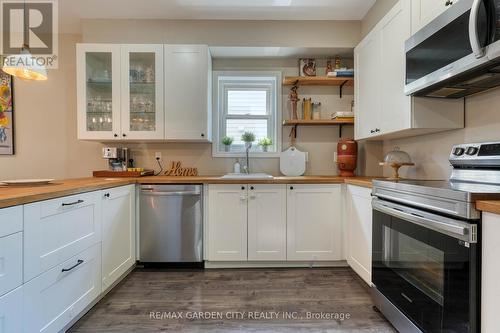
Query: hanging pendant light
x: 24, y: 65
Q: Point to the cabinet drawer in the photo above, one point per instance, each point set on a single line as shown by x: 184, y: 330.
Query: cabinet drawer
x: 54, y: 298
x: 11, y: 220
x: 11, y: 311
x: 11, y: 262
x: 58, y: 229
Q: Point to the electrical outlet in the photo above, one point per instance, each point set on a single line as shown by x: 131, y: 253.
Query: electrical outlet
x: 158, y: 155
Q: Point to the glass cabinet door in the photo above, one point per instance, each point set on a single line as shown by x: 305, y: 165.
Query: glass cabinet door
x: 98, y: 91
x: 142, y: 92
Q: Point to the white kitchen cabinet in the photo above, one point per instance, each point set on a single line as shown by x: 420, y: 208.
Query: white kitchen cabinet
x: 227, y: 218
x: 54, y: 298
x: 11, y: 262
x: 98, y: 91
x: 314, y: 222
x: 142, y: 111
x: 424, y: 11
x: 11, y: 312
x: 120, y: 92
x: 367, y: 99
x: 490, y: 271
x: 266, y: 222
x: 188, y: 93
x: 359, y: 230
x: 57, y: 229
x: 383, y: 111
x: 118, y: 233
x: 11, y: 220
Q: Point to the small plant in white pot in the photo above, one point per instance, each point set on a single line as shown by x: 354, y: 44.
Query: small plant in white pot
x: 248, y: 138
x: 265, y: 143
x: 227, y: 142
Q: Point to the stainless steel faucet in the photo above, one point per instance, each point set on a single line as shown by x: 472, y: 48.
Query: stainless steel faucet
x: 246, y: 167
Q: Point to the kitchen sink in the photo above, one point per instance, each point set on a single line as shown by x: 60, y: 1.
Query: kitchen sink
x: 247, y: 176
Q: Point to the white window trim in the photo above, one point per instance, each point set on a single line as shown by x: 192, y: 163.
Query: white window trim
x: 218, y: 114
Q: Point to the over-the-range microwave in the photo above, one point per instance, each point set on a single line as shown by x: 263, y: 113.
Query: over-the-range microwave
x: 458, y: 53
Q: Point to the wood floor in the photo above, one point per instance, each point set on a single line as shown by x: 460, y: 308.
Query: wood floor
x: 263, y: 297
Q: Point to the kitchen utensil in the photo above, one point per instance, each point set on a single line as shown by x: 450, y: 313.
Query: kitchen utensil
x: 24, y: 182
x: 293, y: 162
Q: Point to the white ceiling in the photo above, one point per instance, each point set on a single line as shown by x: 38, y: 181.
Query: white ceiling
x: 72, y: 11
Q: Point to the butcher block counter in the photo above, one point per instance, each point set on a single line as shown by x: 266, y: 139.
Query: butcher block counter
x: 19, y: 195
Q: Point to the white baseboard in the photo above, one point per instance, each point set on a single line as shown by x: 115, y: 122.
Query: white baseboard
x: 274, y: 264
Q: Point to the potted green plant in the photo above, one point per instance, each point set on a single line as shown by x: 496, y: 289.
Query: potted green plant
x: 227, y: 142
x: 265, y: 143
x: 248, y: 138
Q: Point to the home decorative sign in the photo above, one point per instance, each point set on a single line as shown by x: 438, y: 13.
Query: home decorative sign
x: 6, y: 115
x: 177, y: 170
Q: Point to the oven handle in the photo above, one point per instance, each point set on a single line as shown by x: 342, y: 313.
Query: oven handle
x: 456, y: 229
x: 477, y: 49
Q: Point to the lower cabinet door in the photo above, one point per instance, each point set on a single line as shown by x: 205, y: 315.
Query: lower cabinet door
x: 118, y: 233
x: 11, y: 262
x: 266, y: 222
x: 11, y: 312
x: 359, y: 231
x: 54, y: 298
x: 227, y: 223
x: 314, y: 222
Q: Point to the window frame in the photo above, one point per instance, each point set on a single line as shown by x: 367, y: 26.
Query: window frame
x: 222, y: 83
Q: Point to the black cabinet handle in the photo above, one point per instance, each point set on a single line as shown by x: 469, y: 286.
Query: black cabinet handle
x: 124, y: 135
x: 243, y: 187
x: 78, y: 263
x: 73, y: 203
x: 372, y: 131
x: 107, y: 195
x: 115, y: 135
x: 291, y: 187
x: 252, y: 188
x: 202, y: 135
x: 448, y: 3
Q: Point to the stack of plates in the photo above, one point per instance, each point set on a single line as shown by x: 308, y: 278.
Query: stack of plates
x: 25, y: 182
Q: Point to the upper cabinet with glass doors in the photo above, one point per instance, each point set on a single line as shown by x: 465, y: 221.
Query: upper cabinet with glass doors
x: 144, y: 92
x: 98, y: 91
x: 142, y: 115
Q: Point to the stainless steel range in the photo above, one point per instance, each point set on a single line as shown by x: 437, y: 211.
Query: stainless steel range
x: 426, y: 244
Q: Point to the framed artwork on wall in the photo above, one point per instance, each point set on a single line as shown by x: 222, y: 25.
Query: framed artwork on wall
x: 6, y: 114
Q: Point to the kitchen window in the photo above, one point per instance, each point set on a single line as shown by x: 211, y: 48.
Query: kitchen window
x: 246, y: 102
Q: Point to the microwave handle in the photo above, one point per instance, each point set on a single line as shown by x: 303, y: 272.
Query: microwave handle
x: 477, y: 49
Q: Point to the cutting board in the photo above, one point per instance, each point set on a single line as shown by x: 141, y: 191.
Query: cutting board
x: 293, y: 162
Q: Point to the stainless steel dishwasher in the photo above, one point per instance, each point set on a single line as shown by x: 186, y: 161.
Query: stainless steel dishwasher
x: 171, y: 224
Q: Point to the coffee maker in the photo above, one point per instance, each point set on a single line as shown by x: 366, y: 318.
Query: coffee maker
x: 119, y: 159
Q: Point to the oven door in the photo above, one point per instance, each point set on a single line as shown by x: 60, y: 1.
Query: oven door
x: 427, y: 266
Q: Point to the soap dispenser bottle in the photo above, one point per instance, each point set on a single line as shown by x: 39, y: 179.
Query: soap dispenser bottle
x: 237, y: 167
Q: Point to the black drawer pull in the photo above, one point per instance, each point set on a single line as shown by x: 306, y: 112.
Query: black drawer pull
x: 78, y: 263
x: 73, y: 203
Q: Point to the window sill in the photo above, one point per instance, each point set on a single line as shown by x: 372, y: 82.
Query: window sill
x: 243, y: 155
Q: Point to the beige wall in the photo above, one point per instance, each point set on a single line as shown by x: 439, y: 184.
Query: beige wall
x: 430, y: 152
x: 46, y: 141
x: 379, y: 9
x: 45, y: 125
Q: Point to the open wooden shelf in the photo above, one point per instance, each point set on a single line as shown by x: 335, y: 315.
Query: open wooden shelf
x: 317, y: 81
x: 319, y: 122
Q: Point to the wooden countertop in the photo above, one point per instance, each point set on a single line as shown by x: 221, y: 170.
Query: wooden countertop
x: 488, y: 206
x: 19, y: 195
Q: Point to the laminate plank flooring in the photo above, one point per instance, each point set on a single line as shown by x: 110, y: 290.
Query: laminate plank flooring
x: 236, y: 300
